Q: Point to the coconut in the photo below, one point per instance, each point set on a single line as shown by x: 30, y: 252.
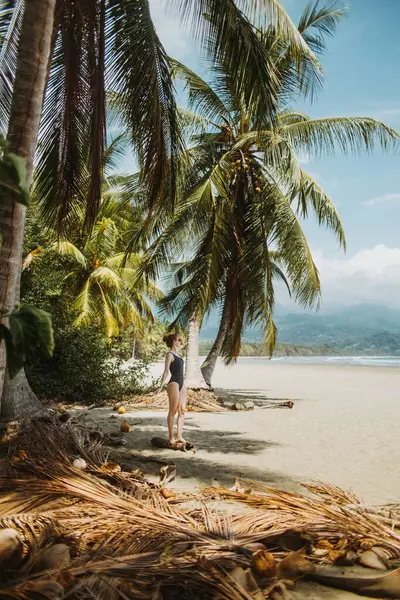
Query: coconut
x: 125, y: 427
x: 11, y: 548
x: 54, y: 557
x: 121, y: 410
x: 80, y: 463
x: 167, y: 493
x: 263, y: 564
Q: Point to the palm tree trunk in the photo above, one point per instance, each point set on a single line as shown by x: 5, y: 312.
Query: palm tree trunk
x: 208, y: 366
x: 134, y: 348
x: 193, y: 377
x: 34, y: 54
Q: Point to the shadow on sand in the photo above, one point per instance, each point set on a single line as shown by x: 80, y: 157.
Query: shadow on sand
x: 209, y: 465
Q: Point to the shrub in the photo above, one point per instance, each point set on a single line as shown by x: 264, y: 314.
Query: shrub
x: 83, y: 369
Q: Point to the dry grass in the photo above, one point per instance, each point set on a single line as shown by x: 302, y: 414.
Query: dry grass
x: 197, y: 400
x: 128, y: 542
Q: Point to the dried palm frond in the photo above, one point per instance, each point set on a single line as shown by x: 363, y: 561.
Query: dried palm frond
x: 197, y: 400
x: 125, y: 540
x: 330, y: 514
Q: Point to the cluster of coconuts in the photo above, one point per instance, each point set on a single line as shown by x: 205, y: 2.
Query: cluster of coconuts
x: 240, y: 165
x: 243, y: 165
x: 258, y: 184
x: 56, y: 556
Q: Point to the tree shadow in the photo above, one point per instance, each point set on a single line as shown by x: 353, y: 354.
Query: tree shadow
x: 227, y: 442
x: 207, y: 470
x: 260, y: 399
x: 220, y: 456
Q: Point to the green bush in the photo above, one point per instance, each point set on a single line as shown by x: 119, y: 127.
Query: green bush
x: 83, y: 369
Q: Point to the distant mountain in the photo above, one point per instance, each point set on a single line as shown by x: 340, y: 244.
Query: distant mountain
x: 364, y: 327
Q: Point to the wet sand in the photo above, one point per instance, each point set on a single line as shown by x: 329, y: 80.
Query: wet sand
x: 343, y: 429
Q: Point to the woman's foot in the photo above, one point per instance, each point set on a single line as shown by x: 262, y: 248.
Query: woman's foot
x: 172, y: 442
x: 181, y: 440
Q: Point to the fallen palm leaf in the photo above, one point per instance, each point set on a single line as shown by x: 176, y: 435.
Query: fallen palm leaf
x: 128, y: 541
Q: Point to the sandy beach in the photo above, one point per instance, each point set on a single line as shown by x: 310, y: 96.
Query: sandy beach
x: 342, y: 430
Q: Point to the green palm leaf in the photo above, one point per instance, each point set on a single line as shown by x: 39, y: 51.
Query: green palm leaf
x: 11, y: 12
x: 286, y: 233
x: 311, y: 194
x: 318, y: 21
x: 202, y: 98
x: 107, y: 277
x: 349, y: 134
x: 66, y: 248
x: 138, y: 71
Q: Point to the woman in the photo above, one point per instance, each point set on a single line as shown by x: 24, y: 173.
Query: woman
x: 174, y: 364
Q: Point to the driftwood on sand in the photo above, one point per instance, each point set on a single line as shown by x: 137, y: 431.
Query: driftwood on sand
x: 117, y: 536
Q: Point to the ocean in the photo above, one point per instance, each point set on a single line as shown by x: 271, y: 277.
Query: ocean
x: 356, y: 361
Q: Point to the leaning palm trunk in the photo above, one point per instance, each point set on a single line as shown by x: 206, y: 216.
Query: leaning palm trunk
x: 208, y: 366
x: 28, y: 93
x: 193, y: 378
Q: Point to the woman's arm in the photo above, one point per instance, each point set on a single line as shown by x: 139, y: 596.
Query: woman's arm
x: 168, y: 360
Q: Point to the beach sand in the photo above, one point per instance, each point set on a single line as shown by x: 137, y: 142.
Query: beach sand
x: 343, y: 429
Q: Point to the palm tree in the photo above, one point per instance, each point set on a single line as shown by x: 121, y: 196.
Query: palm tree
x: 103, y: 282
x: 56, y: 60
x: 246, y: 194
x: 28, y: 66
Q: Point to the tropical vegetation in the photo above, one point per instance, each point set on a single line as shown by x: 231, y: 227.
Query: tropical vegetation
x: 245, y: 194
x: 217, y: 205
x: 60, y: 64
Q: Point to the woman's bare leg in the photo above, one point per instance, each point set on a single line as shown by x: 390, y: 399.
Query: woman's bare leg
x: 181, y: 413
x: 173, y: 397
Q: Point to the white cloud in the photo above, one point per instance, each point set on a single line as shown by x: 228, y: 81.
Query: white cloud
x: 383, y: 199
x: 170, y: 30
x: 370, y: 275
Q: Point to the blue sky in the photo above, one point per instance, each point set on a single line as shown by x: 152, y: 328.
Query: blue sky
x: 362, y: 79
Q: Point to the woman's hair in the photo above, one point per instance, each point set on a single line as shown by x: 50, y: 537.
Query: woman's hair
x: 171, y: 338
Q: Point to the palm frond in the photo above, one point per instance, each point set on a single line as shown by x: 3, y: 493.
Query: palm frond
x: 62, y: 176
x: 311, y: 193
x: 232, y: 41
x: 139, y: 73
x: 108, y: 315
x: 202, y: 98
x: 85, y: 305
x: 31, y: 257
x: 286, y: 233
x: 115, y: 152
x: 107, y: 277
x: 192, y: 123
x: 348, y: 134
x: 102, y: 240
x: 66, y: 248
x: 97, y: 98
x: 318, y: 21
x: 261, y: 12
x: 11, y: 13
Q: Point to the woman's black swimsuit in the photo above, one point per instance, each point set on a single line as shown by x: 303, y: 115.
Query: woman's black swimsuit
x: 177, y: 370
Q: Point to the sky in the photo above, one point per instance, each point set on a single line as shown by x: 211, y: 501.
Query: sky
x: 362, y: 79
